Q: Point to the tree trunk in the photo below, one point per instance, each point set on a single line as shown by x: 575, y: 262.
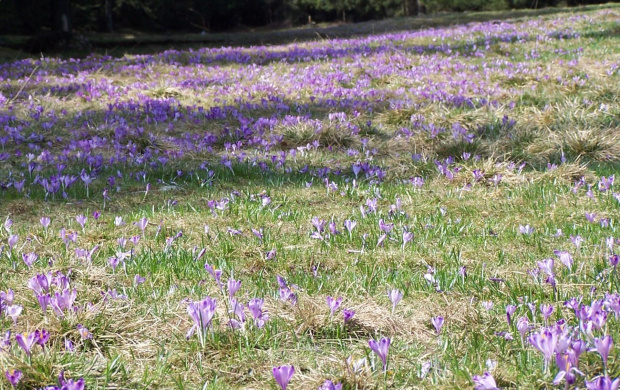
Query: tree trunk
x: 61, y: 17
x: 108, y: 15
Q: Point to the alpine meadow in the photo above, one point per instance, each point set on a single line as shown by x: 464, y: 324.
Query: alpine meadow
x: 401, y: 208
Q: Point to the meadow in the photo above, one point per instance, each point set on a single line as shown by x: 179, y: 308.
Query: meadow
x: 423, y: 209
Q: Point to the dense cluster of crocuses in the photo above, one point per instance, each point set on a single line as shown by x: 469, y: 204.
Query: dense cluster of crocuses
x: 332, y: 115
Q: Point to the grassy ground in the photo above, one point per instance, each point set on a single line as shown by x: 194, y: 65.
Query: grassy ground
x: 241, y: 158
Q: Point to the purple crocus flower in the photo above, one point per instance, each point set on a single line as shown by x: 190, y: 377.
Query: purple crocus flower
x: 45, y: 221
x: 333, y: 304
x: 63, y: 301
x: 69, y: 347
x: 329, y: 385
x: 26, y: 341
x: 603, y: 345
x: 349, y: 225
x: 437, y: 323
x: 407, y: 236
x: 510, y: 310
x: 565, y: 258
x: 84, y: 332
x: 270, y: 254
x: 605, y: 183
x: 348, y: 315
x: 142, y: 224
x: 546, y: 311
x: 523, y: 325
x: 29, y: 258
x: 283, y: 375
x: 565, y: 362
x: 81, y: 219
x: 216, y: 273
x: 603, y: 383
x: 70, y: 384
x: 577, y: 240
x: 42, y: 337
x: 395, y: 296
x: 12, y: 240
x: 484, y: 382
x: 13, y: 311
x: 202, y: 313
x: 44, y: 301
x: 545, y: 341
x: 256, y: 309
x: 13, y: 376
x: 527, y: 229
x: 233, y: 286
x: 138, y: 280
x: 381, y: 348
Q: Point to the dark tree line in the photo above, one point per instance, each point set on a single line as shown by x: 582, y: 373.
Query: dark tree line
x: 62, y: 17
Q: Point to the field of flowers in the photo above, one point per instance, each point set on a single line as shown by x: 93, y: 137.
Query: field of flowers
x: 422, y: 209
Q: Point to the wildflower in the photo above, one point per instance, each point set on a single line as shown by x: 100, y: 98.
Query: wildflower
x: 233, y: 286
x: 545, y: 341
x: 217, y: 274
x: 13, y: 376
x: 283, y: 375
x: 13, y: 311
x: 527, y: 229
x: 202, y: 313
x: 437, y: 323
x: 45, y: 221
x: 565, y: 258
x: 26, y: 341
x: 329, y: 385
x: 270, y: 254
x: 407, y: 236
x: 84, y: 332
x: 577, y: 240
x: 12, y: 241
x: 138, y: 280
x: 69, y: 345
x: 142, y: 224
x: 602, y: 346
x: 237, y: 310
x: 484, y: 382
x: 81, y: 219
x: 523, y: 325
x: 395, y: 296
x: 42, y: 337
x: 603, y: 383
x: 349, y: 225
x: 381, y: 348
x: 510, y: 310
x: 546, y: 311
x: 333, y: 304
x: 348, y: 315
x: 29, y: 258
x: 61, y: 302
x: 256, y: 309
x: 70, y: 384
x: 565, y: 362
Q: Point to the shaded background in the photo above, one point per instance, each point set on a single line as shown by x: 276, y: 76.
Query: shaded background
x: 39, y: 17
